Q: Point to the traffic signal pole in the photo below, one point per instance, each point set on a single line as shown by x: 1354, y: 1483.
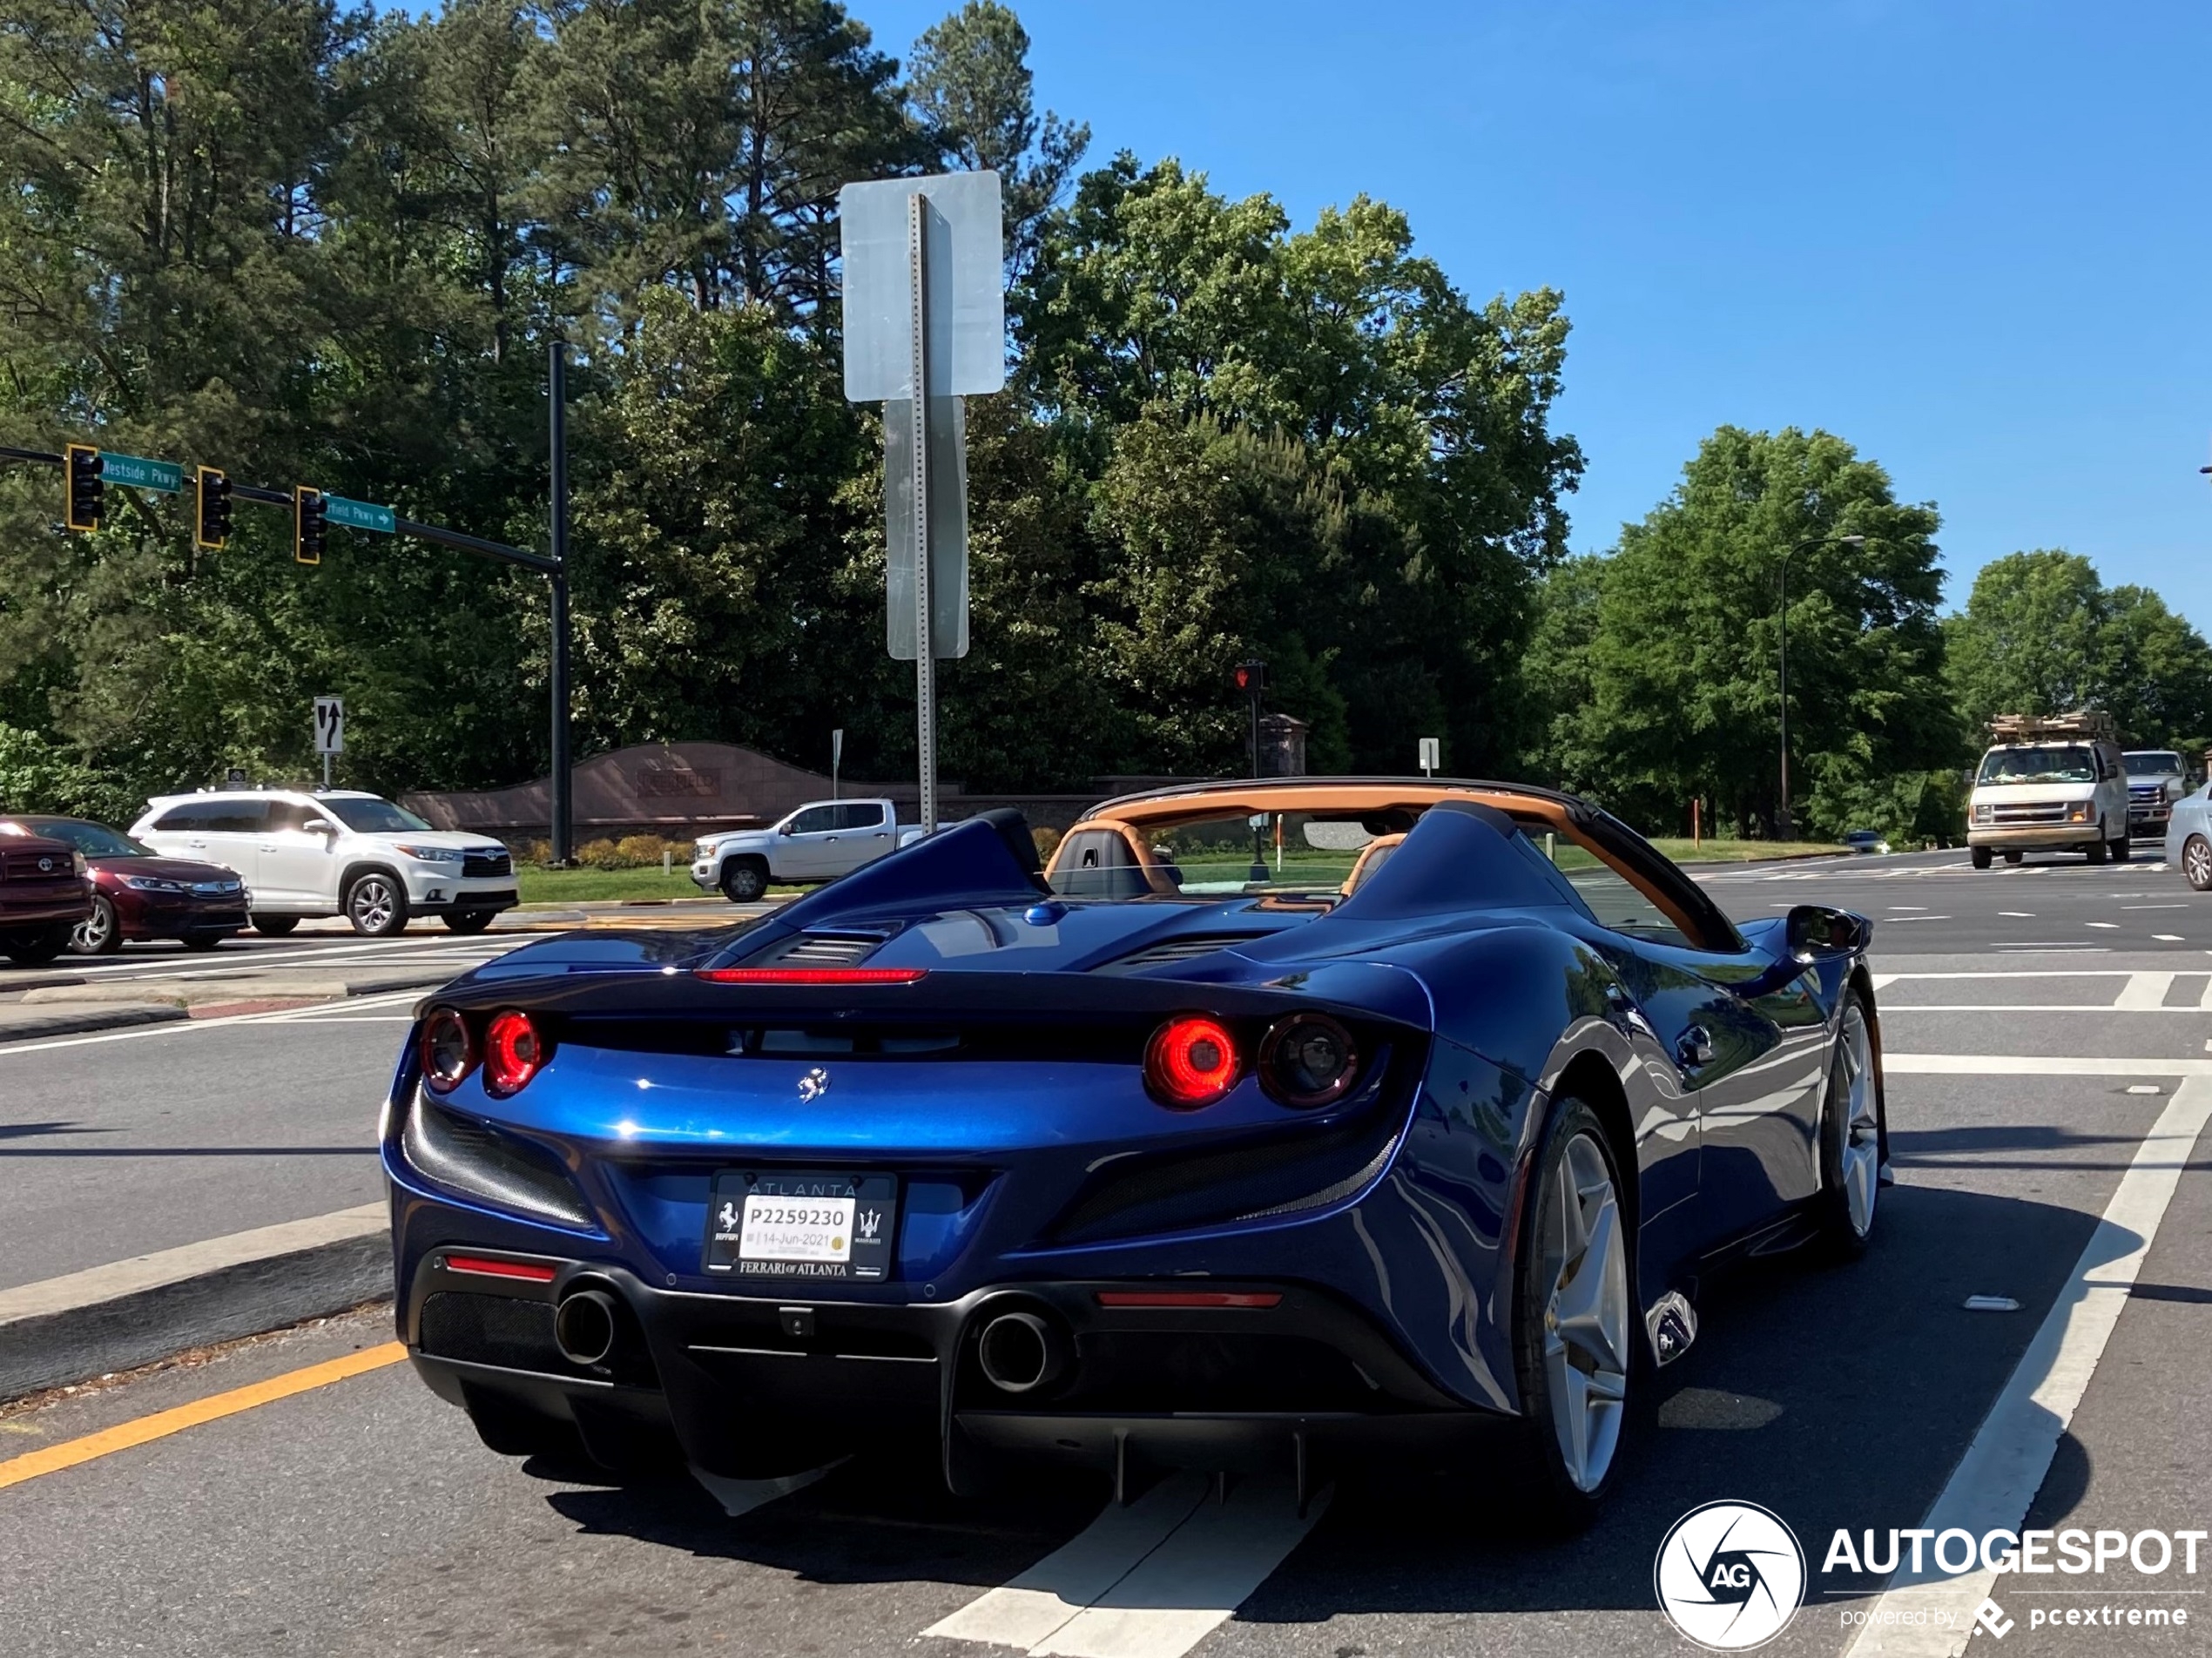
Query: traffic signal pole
x: 555, y: 568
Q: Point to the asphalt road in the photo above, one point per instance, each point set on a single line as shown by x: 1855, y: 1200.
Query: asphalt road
x: 363, y: 1517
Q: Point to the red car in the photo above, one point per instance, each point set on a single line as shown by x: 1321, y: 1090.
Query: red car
x: 138, y: 893
x: 44, y: 893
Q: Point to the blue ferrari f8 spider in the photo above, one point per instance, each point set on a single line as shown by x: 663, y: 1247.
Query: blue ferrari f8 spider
x: 1273, y: 1122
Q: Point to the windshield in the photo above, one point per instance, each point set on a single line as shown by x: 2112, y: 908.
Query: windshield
x: 93, y: 840
x: 371, y: 816
x: 2158, y: 763
x: 2054, y: 765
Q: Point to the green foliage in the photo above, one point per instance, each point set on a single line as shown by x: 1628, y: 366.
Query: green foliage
x: 2042, y: 635
x: 34, y: 776
x: 1660, y: 662
x: 311, y: 245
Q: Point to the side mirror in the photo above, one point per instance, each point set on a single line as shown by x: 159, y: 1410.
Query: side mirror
x: 1815, y: 930
x: 787, y: 828
x: 316, y: 826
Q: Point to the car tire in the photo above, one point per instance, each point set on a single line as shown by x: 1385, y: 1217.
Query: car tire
x: 36, y: 949
x: 1979, y: 856
x: 376, y: 904
x: 743, y: 879
x: 1853, y: 1128
x: 98, y: 933
x: 2122, y: 849
x: 274, y: 926
x: 204, y: 940
x: 2100, y: 850
x: 2196, y: 863
x: 468, y: 920
x: 1577, y: 1351
x: 2014, y: 857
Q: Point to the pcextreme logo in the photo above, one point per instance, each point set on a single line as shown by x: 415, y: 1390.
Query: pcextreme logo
x: 1730, y: 1576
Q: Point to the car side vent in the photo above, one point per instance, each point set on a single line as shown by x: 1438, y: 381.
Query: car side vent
x: 1171, y: 950
x: 824, y: 950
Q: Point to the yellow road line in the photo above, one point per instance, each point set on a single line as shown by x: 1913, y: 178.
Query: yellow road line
x: 145, y: 1429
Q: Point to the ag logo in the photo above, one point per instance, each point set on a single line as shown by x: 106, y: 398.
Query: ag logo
x: 812, y: 1086
x: 1730, y: 1576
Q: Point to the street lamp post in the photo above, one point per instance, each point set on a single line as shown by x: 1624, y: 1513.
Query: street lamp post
x: 1783, y: 824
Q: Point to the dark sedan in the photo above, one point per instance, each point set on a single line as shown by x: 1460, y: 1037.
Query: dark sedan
x: 138, y: 893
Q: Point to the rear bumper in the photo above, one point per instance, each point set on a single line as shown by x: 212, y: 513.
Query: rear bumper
x: 754, y: 1387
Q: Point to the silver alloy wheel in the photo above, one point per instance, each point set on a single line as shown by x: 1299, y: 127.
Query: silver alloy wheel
x: 370, y: 907
x: 1585, y: 1323
x: 1861, y: 1163
x: 2196, y: 863
x: 90, y: 936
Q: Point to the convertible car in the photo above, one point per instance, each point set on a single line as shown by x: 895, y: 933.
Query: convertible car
x: 1273, y: 1122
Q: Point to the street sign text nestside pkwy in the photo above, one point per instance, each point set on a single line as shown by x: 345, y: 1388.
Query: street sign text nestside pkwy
x: 137, y: 472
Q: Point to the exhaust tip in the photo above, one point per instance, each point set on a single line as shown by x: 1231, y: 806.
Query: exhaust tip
x: 583, y: 1327
x: 1020, y: 1352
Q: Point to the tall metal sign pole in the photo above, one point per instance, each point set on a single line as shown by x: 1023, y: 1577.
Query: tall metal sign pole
x: 924, y: 326
x: 560, y: 830
x: 925, y: 652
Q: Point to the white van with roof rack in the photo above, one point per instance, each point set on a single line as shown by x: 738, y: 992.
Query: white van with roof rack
x: 335, y: 852
x: 2049, y: 783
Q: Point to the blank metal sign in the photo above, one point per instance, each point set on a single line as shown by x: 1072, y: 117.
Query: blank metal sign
x: 965, y: 252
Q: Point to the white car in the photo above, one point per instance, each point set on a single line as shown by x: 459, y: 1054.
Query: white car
x: 339, y: 853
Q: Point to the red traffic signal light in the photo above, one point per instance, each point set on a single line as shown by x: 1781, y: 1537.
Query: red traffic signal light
x: 1251, y: 678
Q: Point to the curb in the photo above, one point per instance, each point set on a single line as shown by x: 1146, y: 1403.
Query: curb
x: 74, y: 1024
x: 151, y: 1307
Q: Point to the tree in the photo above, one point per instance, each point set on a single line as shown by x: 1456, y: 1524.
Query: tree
x: 2042, y: 634
x: 970, y: 85
x: 1679, y: 647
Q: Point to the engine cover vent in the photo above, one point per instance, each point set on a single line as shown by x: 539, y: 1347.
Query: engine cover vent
x: 1173, y: 950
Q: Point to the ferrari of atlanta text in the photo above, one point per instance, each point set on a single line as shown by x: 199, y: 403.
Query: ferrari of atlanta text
x: 1269, y: 1125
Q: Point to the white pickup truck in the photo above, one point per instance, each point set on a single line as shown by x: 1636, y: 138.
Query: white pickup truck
x: 820, y: 841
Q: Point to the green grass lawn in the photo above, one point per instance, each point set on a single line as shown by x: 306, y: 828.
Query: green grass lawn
x: 607, y: 886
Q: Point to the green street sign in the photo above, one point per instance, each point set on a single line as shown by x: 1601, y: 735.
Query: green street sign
x: 138, y: 473
x: 359, y: 515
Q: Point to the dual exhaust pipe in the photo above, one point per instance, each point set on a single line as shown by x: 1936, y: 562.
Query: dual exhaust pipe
x: 1018, y: 1352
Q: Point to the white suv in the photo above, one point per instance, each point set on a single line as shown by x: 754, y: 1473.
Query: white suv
x: 335, y: 853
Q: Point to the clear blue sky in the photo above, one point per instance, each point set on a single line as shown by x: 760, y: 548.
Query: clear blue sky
x: 1973, y: 239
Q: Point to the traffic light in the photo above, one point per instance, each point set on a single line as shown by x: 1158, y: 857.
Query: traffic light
x: 81, y: 493
x: 308, y: 521
x: 213, y: 533
x: 1251, y: 678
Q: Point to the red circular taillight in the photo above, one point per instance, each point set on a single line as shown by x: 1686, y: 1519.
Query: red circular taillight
x: 1307, y: 1061
x: 1190, y: 1062
x: 515, y: 1051
x: 448, y: 1051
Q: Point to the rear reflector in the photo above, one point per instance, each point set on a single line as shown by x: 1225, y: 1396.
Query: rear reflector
x: 529, y: 1272
x: 811, y: 975
x: 1188, y: 1299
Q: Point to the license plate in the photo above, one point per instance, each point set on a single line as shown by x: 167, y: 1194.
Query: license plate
x: 807, y: 1223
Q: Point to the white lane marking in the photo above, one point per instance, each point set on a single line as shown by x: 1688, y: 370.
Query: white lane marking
x: 2154, y: 907
x: 1188, y: 1587
x: 2005, y: 1465
x: 2026, y: 973
x: 2167, y: 938
x: 253, y: 960
x: 2144, y: 991
x: 2204, y: 1001
x: 1882, y: 981
x: 1148, y: 1586
x: 2037, y: 1065
x: 1079, y: 1573
x: 177, y: 1026
x: 2054, y: 947
x: 99, y: 1283
x: 740, y: 1497
x: 2021, y: 1008
x: 2110, y: 926
x: 1894, y: 920
x: 1908, y: 906
x: 2019, y: 915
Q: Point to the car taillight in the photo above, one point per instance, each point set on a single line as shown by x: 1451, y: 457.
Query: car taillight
x: 1308, y: 1060
x: 812, y: 976
x: 1190, y: 1062
x: 515, y: 1051
x: 448, y: 1051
